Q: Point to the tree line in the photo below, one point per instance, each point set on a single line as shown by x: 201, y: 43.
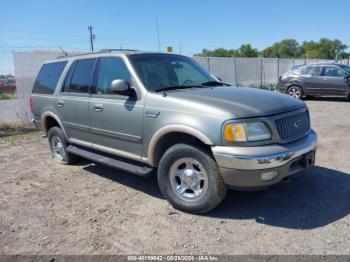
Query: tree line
x: 288, y: 48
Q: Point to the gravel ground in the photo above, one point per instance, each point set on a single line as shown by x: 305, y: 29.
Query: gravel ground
x: 47, y: 208
x: 8, y: 111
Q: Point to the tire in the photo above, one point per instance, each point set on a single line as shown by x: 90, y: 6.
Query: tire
x: 58, y: 144
x: 190, y: 180
x: 295, y: 91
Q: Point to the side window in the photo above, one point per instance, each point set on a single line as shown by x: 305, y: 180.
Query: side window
x: 48, y: 77
x: 82, y: 76
x: 333, y: 72
x: 313, y: 70
x: 110, y: 68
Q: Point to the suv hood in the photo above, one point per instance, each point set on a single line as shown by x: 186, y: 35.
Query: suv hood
x: 241, y: 102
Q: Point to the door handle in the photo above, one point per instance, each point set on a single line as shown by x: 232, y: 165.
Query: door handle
x: 325, y: 79
x: 60, y: 103
x: 98, y: 107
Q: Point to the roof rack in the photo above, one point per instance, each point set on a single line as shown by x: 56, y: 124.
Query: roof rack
x: 77, y: 54
x: 91, y: 53
x: 112, y: 50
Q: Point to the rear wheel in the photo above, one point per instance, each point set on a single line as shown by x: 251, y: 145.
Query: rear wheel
x: 58, y: 144
x: 295, y: 91
x: 190, y: 180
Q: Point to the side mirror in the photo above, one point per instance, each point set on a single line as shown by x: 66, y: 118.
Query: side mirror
x: 121, y: 87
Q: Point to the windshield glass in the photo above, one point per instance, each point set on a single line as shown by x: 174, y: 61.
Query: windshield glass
x: 345, y: 67
x: 158, y: 71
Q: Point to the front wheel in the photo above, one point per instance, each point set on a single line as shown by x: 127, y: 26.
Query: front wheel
x: 295, y: 91
x: 190, y: 180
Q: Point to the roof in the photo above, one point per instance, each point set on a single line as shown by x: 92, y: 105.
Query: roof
x: 103, y: 52
x: 321, y: 63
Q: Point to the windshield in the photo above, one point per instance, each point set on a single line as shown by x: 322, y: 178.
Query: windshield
x: 346, y: 68
x: 159, y: 71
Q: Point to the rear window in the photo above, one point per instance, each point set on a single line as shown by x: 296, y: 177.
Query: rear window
x: 48, y: 77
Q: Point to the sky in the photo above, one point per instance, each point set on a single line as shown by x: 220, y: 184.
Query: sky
x: 186, y: 25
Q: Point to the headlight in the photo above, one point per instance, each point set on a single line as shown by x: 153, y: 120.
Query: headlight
x: 242, y: 132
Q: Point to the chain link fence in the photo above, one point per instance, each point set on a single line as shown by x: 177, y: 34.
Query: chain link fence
x: 250, y: 72
x: 16, y: 112
x: 253, y: 72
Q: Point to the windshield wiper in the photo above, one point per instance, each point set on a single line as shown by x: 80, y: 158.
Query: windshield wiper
x: 205, y: 84
x: 214, y: 83
x: 176, y: 87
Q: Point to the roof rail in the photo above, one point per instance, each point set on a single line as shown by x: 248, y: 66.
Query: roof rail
x: 112, y: 50
x: 90, y: 53
x: 77, y: 54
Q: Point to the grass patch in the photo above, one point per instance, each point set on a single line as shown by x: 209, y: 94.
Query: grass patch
x: 13, y: 140
x: 7, y: 96
x: 14, y: 129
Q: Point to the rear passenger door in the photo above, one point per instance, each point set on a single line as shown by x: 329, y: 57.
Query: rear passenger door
x: 334, y: 82
x: 73, y: 101
x: 312, y: 79
x: 116, y: 120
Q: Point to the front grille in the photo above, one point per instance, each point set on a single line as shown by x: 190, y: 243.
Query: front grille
x: 293, y: 127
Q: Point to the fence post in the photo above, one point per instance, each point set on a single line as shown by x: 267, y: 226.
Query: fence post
x: 261, y: 72
x: 278, y: 69
x: 209, y: 64
x: 235, y: 70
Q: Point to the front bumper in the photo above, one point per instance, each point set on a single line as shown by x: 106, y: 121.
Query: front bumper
x: 282, y: 87
x: 254, y: 167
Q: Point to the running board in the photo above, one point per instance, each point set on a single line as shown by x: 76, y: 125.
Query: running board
x: 140, y: 170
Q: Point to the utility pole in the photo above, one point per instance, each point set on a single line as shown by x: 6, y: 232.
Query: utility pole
x: 158, y: 33
x: 92, y: 37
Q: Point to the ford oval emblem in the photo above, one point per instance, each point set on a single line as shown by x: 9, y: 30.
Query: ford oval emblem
x: 298, y: 124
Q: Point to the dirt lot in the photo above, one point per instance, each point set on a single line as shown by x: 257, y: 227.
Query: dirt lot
x: 47, y: 208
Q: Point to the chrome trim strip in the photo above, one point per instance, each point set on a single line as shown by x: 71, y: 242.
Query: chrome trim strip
x: 116, y: 134
x: 263, y: 157
x: 109, y: 150
x: 76, y: 126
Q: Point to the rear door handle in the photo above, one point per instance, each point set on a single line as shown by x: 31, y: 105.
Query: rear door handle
x: 60, y: 103
x: 325, y: 79
x: 98, y: 107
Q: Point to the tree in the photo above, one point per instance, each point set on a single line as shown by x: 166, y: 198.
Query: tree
x: 324, y: 49
x: 286, y: 48
x: 246, y: 50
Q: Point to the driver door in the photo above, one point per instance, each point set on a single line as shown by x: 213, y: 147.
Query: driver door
x: 115, y: 120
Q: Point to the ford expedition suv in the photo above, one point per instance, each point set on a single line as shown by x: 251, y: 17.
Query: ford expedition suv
x: 139, y: 112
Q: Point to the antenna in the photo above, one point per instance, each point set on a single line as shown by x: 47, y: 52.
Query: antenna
x: 158, y: 33
x: 64, y: 52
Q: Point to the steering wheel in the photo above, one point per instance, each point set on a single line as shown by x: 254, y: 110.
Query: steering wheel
x: 188, y: 81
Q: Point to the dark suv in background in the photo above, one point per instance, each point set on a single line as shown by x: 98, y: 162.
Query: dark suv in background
x: 322, y: 79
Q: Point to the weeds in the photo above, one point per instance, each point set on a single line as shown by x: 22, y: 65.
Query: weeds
x: 7, y: 96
